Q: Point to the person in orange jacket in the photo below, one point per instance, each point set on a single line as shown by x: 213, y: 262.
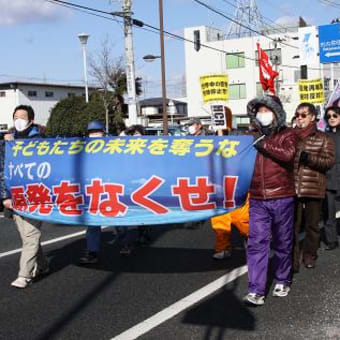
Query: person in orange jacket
x: 222, y: 227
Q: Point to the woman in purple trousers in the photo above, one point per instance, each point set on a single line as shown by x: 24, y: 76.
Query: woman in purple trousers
x: 271, y: 204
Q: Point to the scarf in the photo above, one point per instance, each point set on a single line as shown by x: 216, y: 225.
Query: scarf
x: 307, y: 131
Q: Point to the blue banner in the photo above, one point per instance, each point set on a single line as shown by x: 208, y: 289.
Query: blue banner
x: 122, y: 181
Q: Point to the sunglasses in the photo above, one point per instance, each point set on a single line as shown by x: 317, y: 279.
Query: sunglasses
x: 335, y: 116
x: 302, y: 115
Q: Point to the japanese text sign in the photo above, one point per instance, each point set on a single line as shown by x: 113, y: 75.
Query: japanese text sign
x: 214, y: 88
x: 128, y: 180
x: 311, y: 91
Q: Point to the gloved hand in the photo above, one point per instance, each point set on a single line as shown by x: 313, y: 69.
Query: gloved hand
x: 303, y: 157
x: 258, y: 141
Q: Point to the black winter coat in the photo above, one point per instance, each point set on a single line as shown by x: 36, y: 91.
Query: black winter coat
x: 333, y: 175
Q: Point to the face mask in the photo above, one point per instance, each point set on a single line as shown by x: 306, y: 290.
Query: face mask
x: 20, y: 124
x: 265, y: 118
x: 191, y: 130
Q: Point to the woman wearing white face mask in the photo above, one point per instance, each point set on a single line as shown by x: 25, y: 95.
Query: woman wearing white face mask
x: 271, y: 203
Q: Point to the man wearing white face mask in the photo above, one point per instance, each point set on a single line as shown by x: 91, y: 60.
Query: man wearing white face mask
x: 195, y: 127
x: 32, y: 260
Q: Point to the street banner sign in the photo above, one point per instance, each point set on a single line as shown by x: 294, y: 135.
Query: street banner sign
x: 122, y: 181
x: 329, y: 41
x: 214, y: 88
x: 311, y: 91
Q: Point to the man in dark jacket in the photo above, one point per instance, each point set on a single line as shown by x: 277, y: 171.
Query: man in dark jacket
x: 332, y: 118
x: 271, y: 204
x: 315, y: 155
x: 32, y: 260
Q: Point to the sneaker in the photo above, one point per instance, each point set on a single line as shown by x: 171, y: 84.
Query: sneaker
x: 222, y: 255
x: 125, y: 251
x: 254, y: 299
x: 281, y: 290
x: 21, y: 282
x: 89, y: 258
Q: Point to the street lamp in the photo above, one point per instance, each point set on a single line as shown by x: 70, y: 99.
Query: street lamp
x: 149, y: 58
x: 83, y: 40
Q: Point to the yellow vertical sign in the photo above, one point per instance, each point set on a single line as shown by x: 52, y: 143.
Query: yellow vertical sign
x: 311, y: 91
x: 214, y: 88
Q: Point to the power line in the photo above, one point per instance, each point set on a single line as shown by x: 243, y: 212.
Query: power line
x: 84, y: 11
x: 140, y: 24
x: 330, y: 3
x: 238, y: 23
x: 262, y: 17
x: 89, y: 10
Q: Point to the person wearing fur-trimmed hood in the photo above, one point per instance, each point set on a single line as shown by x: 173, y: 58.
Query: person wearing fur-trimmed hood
x: 271, y: 204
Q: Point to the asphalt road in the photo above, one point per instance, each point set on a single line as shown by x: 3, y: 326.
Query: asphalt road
x: 103, y: 301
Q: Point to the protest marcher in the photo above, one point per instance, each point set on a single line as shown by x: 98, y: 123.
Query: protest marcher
x: 32, y: 260
x: 271, y: 203
x: 222, y: 226
x: 314, y: 156
x: 332, y: 118
x: 144, y: 232
x: 95, y: 129
x: 195, y: 127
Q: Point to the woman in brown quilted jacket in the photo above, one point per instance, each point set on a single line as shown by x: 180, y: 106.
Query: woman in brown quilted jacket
x: 315, y: 155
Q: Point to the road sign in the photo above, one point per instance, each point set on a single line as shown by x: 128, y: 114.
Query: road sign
x: 329, y: 40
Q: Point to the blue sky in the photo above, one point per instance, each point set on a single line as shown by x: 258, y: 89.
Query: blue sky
x: 39, y: 39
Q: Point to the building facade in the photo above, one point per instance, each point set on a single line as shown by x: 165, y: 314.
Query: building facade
x: 237, y: 58
x: 41, y: 96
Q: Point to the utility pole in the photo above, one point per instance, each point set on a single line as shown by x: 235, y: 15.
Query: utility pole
x: 130, y: 65
x: 164, y: 99
x: 276, y: 64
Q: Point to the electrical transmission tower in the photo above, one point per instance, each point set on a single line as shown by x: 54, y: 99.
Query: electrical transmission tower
x: 247, y: 14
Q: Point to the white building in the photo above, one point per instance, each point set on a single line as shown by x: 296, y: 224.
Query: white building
x: 41, y: 96
x: 243, y: 73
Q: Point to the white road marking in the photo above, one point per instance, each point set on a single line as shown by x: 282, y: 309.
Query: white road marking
x: 179, y: 306
x: 54, y: 240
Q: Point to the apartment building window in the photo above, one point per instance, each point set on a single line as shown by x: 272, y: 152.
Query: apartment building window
x: 237, y: 91
x: 2, y: 93
x: 235, y: 60
x: 49, y: 94
x: 32, y: 93
x: 274, y: 56
x: 259, y: 90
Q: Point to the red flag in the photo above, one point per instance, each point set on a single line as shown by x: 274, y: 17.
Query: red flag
x: 267, y: 74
